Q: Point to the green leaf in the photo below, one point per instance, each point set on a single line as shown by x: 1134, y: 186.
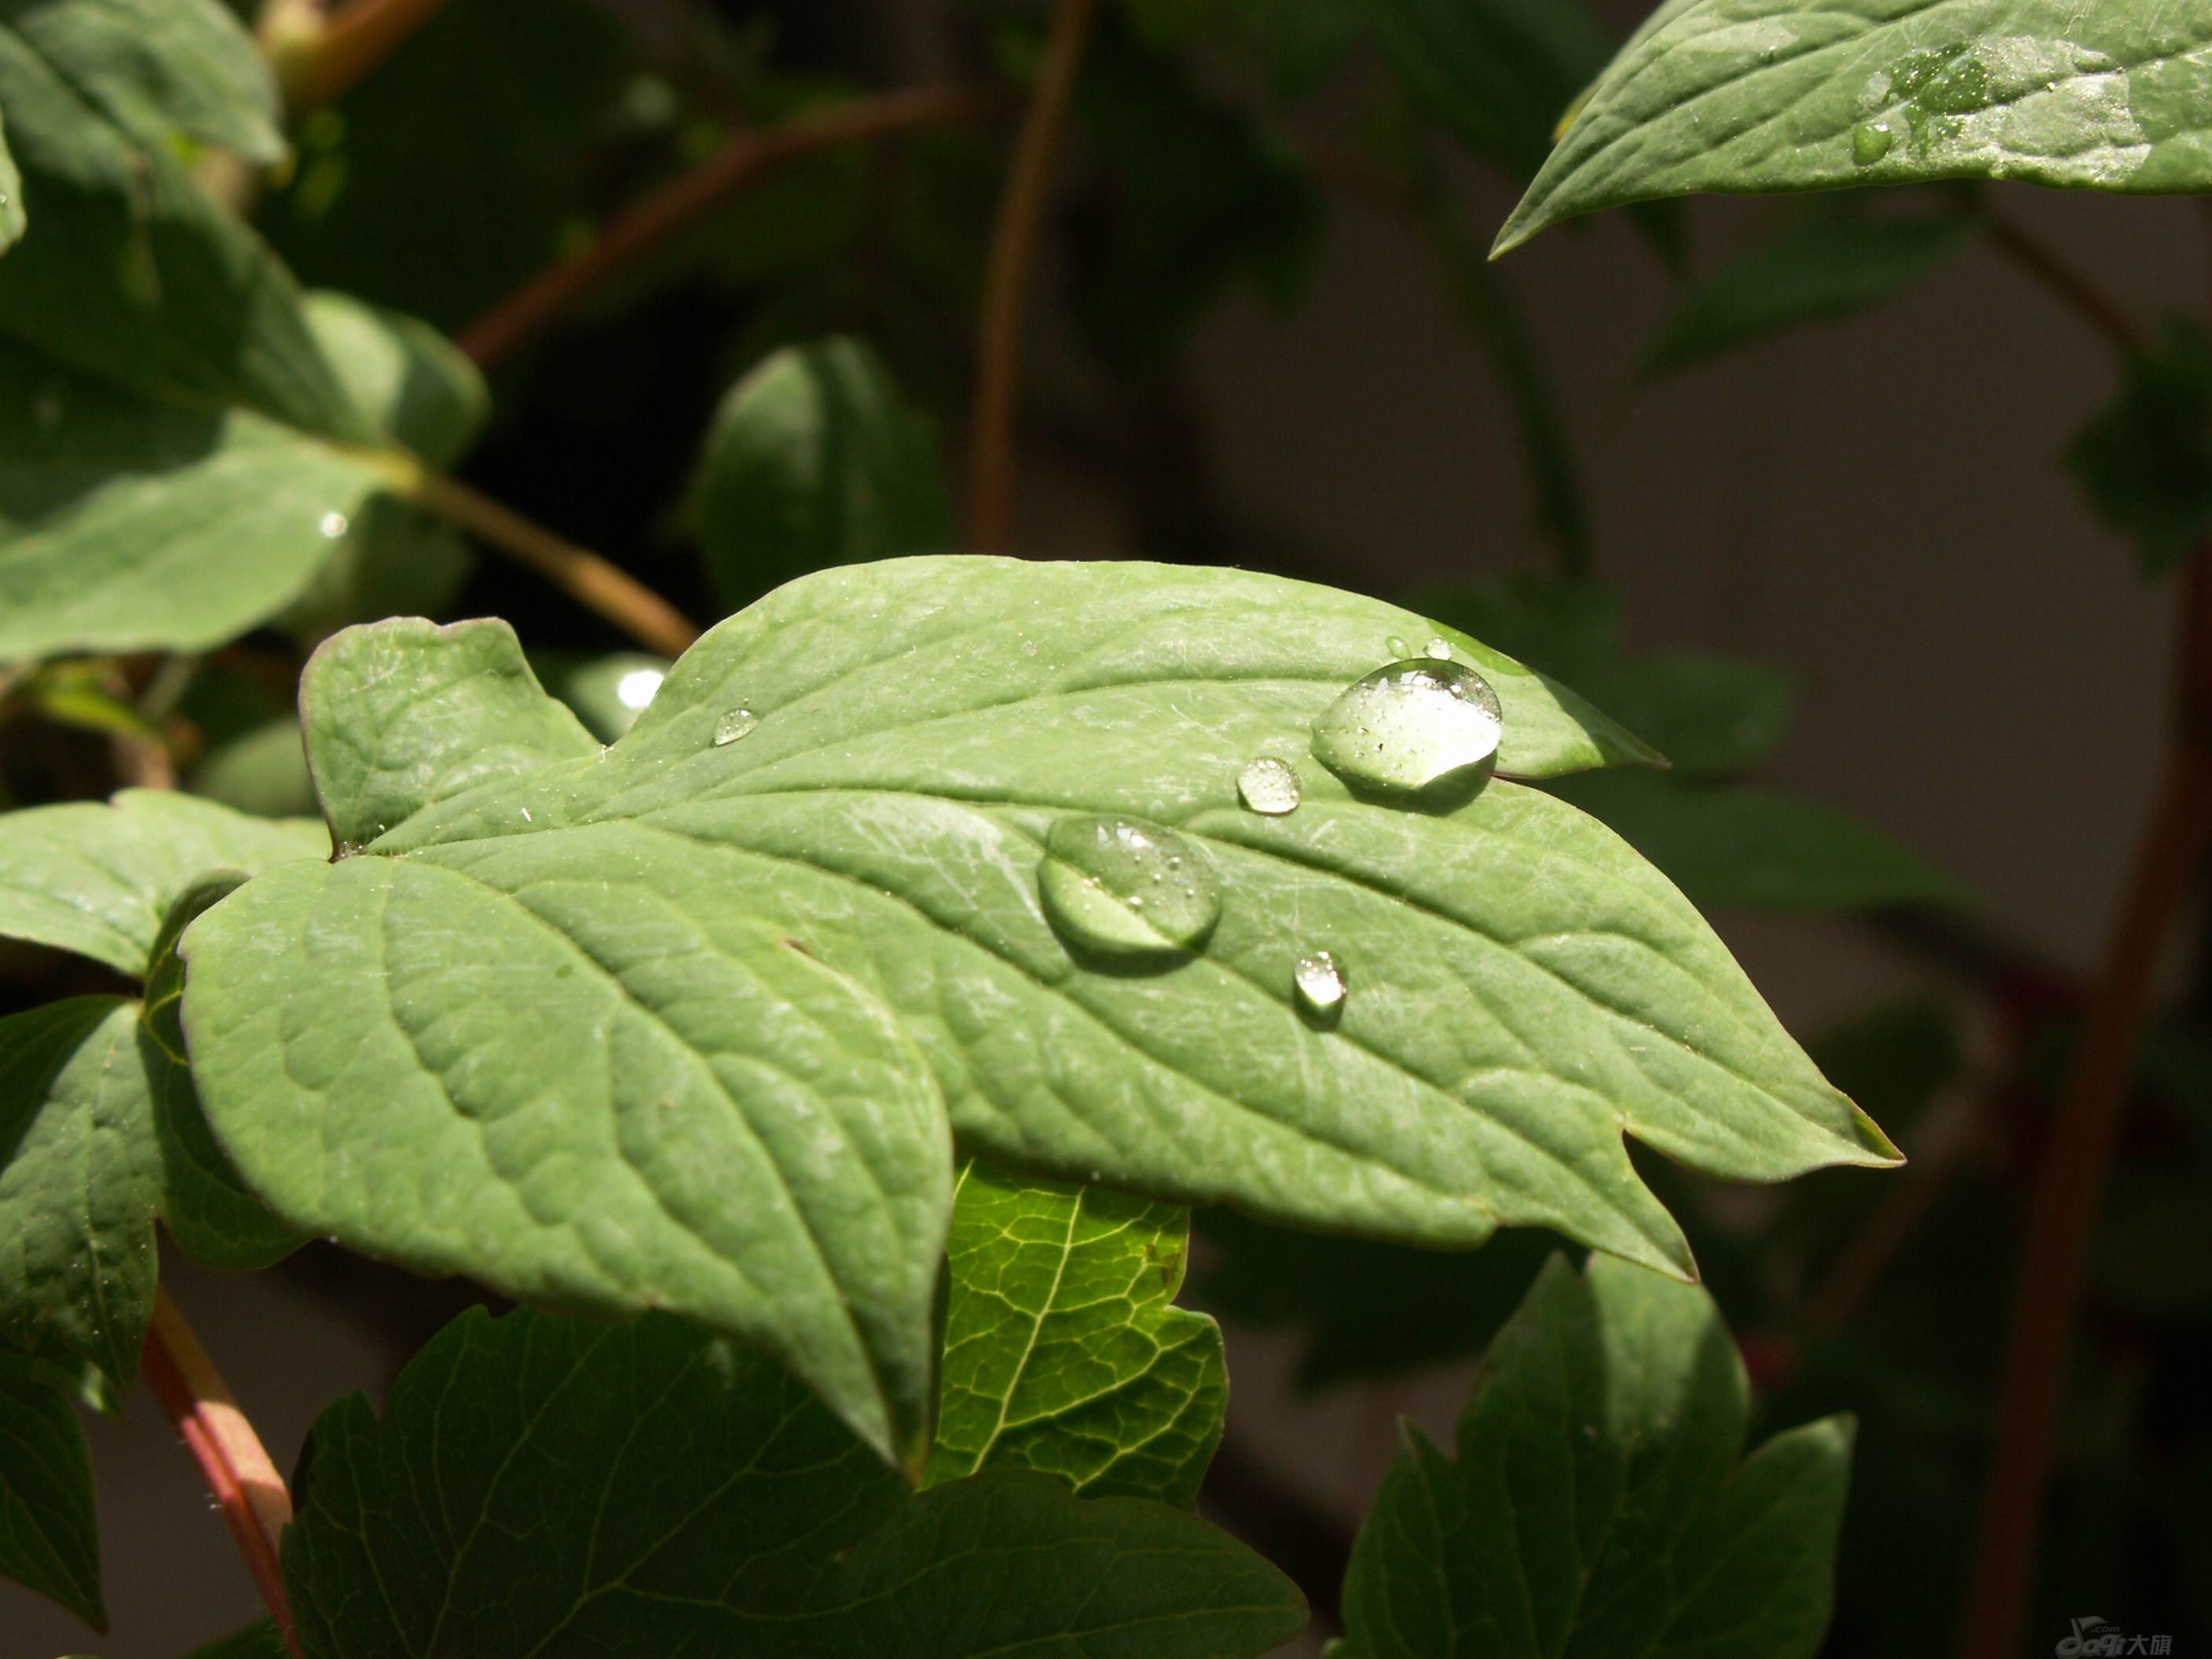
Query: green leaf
x: 100, y: 1132
x: 2145, y: 461
x: 1824, y: 267
x: 98, y: 880
x: 115, y: 509
x: 816, y: 459
x: 644, y: 1489
x: 414, y: 384
x: 533, y: 1032
x: 1063, y: 1350
x: 1598, y: 1505
x: 1739, y: 848
x: 49, y: 1541
x: 735, y: 1133
x: 137, y: 277
x: 162, y: 70
x: 11, y: 194
x: 1757, y: 95
x: 80, y: 1184
x: 262, y: 770
x: 407, y: 713
x: 212, y: 1214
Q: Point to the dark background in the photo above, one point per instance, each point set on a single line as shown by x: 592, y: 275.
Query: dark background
x: 1875, y: 506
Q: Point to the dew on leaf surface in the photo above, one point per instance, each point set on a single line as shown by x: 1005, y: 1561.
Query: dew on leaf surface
x: 1268, y: 786
x: 1438, y: 650
x: 1118, y: 888
x: 1320, y: 986
x: 1407, y: 726
x: 738, y: 723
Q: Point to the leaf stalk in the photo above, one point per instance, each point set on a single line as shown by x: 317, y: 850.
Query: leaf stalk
x: 2077, y: 1162
x: 1007, y: 280
x: 245, y: 1484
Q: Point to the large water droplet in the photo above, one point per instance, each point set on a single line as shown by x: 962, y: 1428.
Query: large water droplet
x: 1320, y: 986
x: 1118, y: 888
x: 738, y: 723
x: 1405, y: 727
x: 1870, y: 142
x: 1268, y: 786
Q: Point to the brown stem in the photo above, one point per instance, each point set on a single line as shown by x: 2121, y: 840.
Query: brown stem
x: 2069, y: 284
x: 2075, y: 1163
x: 582, y: 575
x: 682, y: 201
x: 245, y: 1483
x: 315, y: 67
x: 1007, y: 281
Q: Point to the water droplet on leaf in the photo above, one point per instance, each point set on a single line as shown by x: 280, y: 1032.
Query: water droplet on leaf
x: 1268, y: 786
x: 1870, y: 142
x: 1397, y: 647
x: 1320, y: 986
x: 1438, y: 650
x: 1407, y: 725
x: 1118, y: 888
x: 335, y: 525
x: 738, y: 723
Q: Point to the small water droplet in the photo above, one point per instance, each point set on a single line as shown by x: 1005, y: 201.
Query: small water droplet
x: 1320, y: 986
x: 1104, y: 885
x: 1410, y: 725
x: 1870, y: 142
x: 638, y: 688
x: 1397, y: 647
x: 738, y: 723
x: 1438, y: 650
x: 335, y: 525
x: 1269, y: 786
x: 1029, y: 647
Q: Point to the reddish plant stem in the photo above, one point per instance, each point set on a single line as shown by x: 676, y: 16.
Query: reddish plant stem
x: 684, y: 201
x: 245, y: 1485
x: 2078, y: 1160
x: 318, y: 66
x: 582, y: 575
x: 1007, y: 281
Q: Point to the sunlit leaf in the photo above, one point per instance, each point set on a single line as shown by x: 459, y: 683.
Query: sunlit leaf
x: 1757, y: 95
x: 544, y: 1030
x: 1063, y: 1350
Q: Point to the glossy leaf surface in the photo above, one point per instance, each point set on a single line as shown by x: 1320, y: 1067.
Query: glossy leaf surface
x: 574, y: 988
x: 1779, y: 95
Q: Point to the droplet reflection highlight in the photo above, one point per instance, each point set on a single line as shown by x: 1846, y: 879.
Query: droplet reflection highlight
x: 1410, y: 725
x: 1135, y: 892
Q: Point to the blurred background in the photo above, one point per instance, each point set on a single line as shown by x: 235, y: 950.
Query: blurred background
x: 1842, y: 546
